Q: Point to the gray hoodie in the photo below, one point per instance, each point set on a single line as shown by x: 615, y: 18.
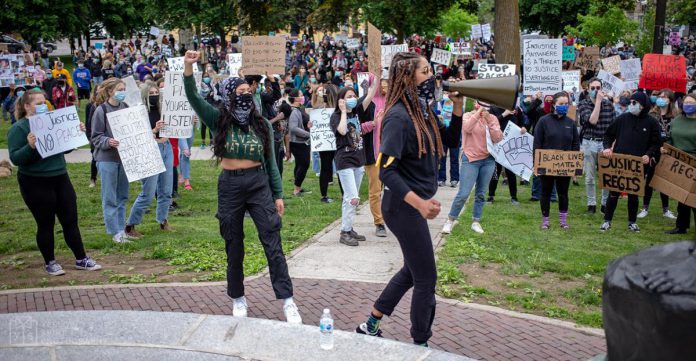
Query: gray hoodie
x: 101, y: 133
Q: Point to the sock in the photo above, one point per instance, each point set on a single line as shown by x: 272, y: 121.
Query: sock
x: 288, y: 301
x: 373, y: 324
x: 240, y: 300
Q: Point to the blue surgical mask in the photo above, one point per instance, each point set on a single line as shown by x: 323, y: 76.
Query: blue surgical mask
x: 351, y: 103
x: 653, y: 99
x: 41, y: 108
x: 206, y: 80
x: 120, y: 96
x: 20, y: 93
x: 690, y: 109
x: 593, y: 94
x: 662, y: 102
x: 634, y: 109
x: 562, y: 109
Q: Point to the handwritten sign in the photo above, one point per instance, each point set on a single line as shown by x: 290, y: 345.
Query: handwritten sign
x: 441, y: 56
x: 363, y: 84
x: 388, y: 52
x: 263, y: 54
x: 568, y: 53
x: 177, y: 113
x: 57, y: 131
x: 234, y: 63
x: 542, y: 66
x: 133, y: 95
x: 154, y: 31
x: 663, y: 71
x: 486, y: 32
x: 138, y: 149
x: 675, y: 175
x: 352, y: 43
x: 476, y: 31
x: 674, y: 38
x: 588, y: 59
x: 611, y: 84
x: 571, y: 81
x: 321, y: 134
x: 487, y: 71
x: 374, y: 50
x: 177, y: 64
x: 630, y: 72
x: 622, y: 173
x: 514, y: 151
x: 558, y: 162
x: 461, y: 48
x: 612, y: 64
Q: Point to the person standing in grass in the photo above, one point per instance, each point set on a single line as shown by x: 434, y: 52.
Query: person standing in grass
x: 45, y: 187
x: 249, y: 181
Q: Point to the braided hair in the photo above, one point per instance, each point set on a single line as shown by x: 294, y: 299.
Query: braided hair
x: 402, y: 87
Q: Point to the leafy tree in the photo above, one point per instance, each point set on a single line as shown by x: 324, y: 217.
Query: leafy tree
x: 331, y: 14
x: 551, y: 16
x: 645, y: 37
x: 602, y: 6
x: 404, y: 17
x: 610, y: 27
x: 681, y: 12
x: 456, y: 22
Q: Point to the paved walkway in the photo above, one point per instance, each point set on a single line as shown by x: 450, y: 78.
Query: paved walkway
x: 84, y: 155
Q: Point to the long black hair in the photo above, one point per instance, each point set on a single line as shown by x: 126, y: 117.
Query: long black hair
x: 225, y: 124
x: 342, y: 95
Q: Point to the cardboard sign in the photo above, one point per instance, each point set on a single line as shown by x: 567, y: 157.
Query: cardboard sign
x: 487, y: 71
x: 138, y: 149
x: 263, y: 54
x: 388, y: 52
x: 57, y: 131
x: 234, y: 63
x: 588, y: 59
x: 667, y: 49
x: 558, y: 162
x: 543, y: 66
x: 674, y: 38
x: 568, y: 53
x: 622, y: 173
x: 663, y: 71
x: 374, y: 50
x: 441, y: 56
x: 611, y: 84
x: 630, y: 72
x: 476, y: 31
x: 514, y: 151
x: 612, y: 64
x: 486, y: 32
x: 177, y: 64
x: 679, y: 154
x: 675, y: 176
x: 133, y: 95
x: 321, y: 135
x: 185, y: 37
x: 177, y: 113
x: 571, y: 81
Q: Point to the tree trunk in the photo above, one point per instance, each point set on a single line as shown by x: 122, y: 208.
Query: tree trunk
x: 507, y: 32
x: 87, y: 38
x: 399, y: 35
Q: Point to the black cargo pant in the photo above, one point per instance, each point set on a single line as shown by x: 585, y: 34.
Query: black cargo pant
x: 419, y: 272
x: 248, y: 190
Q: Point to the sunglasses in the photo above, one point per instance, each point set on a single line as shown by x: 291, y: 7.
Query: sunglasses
x: 595, y: 88
x: 633, y: 102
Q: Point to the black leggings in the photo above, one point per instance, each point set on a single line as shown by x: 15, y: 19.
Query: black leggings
x: 301, y: 153
x: 326, y: 174
x: 46, y: 198
x: 418, y: 272
x: 238, y: 193
x: 613, y: 200
x: 279, y: 155
x: 562, y: 185
x: 684, y: 216
x: 93, y: 165
x: 204, y: 131
x: 649, y: 173
x: 512, y: 181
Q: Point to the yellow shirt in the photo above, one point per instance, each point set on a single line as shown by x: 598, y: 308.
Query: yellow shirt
x: 63, y: 71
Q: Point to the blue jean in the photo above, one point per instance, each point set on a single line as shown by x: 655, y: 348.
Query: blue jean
x: 114, y: 194
x: 454, y: 165
x: 316, y: 163
x: 536, y: 189
x: 98, y: 80
x: 161, y: 184
x: 350, y: 181
x: 184, y: 161
x: 476, y: 173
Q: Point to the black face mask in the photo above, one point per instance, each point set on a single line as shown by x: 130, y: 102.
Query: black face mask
x: 426, y: 89
x: 154, y: 99
x: 242, y: 109
x: 61, y: 83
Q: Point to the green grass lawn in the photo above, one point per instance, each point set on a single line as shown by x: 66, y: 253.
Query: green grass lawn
x: 556, y: 273
x: 194, y: 251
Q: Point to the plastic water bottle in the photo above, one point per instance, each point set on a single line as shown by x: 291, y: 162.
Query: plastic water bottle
x: 447, y: 109
x: 326, y: 339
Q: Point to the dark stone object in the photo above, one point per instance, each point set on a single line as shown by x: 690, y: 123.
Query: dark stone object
x: 641, y: 324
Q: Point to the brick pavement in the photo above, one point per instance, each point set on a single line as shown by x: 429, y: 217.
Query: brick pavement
x: 469, y: 331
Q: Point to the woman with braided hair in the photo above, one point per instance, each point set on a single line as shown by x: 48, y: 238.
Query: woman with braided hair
x: 408, y: 163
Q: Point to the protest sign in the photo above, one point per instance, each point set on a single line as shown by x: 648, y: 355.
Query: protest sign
x: 630, y: 72
x: 185, y: 37
x: 321, y: 134
x: 675, y: 175
x: 177, y: 113
x: 588, y: 59
x: 610, y: 84
x: 514, y: 151
x: 441, y: 56
x: 374, y: 49
x: 663, y: 71
x: 154, y: 31
x: 622, y: 173
x: 476, y: 31
x: 57, y: 131
x: 571, y: 81
x: 558, y: 162
x: 542, y: 66
x: 363, y: 84
x: 461, y: 48
x: 352, y: 43
x: 486, y: 71
x: 568, y: 53
x: 263, y: 54
x: 667, y: 49
x: 234, y: 63
x: 486, y: 32
x: 137, y: 147
x: 388, y: 52
x: 612, y: 64
x: 99, y: 46
x: 177, y: 64
x: 133, y: 95
x: 674, y: 38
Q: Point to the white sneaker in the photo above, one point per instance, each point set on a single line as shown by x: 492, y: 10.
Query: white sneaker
x: 476, y: 227
x: 292, y: 314
x: 669, y: 215
x: 643, y: 213
x: 240, y: 307
x: 447, y: 228
x: 120, y: 237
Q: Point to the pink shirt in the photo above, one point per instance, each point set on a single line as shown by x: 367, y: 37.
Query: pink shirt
x: 474, y: 134
x: 379, y: 101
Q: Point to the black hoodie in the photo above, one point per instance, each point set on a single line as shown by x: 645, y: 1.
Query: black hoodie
x: 634, y: 135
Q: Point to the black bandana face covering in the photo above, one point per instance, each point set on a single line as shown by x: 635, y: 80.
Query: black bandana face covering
x: 426, y: 89
x: 242, y: 108
x: 243, y: 103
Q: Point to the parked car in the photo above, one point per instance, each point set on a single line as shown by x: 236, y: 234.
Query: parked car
x: 13, y: 45
x: 48, y: 45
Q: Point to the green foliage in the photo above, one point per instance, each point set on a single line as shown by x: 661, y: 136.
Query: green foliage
x: 404, y: 17
x: 644, y: 42
x: 602, y: 6
x: 681, y: 12
x: 610, y: 27
x: 457, y: 22
x: 551, y: 16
